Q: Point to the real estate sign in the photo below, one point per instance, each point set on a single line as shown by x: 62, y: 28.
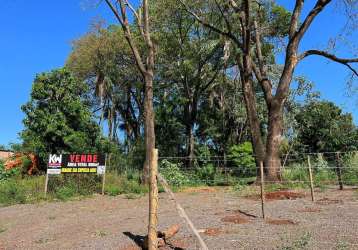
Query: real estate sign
x: 76, y: 163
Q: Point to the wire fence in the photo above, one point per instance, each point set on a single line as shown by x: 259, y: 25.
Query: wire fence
x: 328, y: 168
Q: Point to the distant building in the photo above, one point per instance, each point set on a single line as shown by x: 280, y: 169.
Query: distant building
x: 5, y: 154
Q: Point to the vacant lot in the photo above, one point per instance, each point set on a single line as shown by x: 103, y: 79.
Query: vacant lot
x: 225, y: 220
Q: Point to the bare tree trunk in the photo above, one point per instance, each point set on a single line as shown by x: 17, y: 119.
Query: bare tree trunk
x: 190, y: 145
x: 146, y: 67
x: 149, y: 126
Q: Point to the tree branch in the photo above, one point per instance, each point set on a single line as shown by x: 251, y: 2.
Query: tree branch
x: 295, y: 17
x: 122, y: 18
x: 262, y: 77
x: 137, y: 16
x: 210, y: 26
x: 320, y: 5
x: 332, y: 57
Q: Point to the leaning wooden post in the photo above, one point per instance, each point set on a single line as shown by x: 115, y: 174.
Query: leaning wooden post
x: 182, y: 212
x: 262, y: 189
x: 339, y: 171
x: 153, y: 201
x: 311, y: 177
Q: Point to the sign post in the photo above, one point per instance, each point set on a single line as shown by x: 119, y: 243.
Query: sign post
x: 104, y: 176
x: 46, y: 184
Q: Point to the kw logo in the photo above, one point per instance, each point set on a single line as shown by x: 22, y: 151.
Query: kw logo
x: 55, y: 160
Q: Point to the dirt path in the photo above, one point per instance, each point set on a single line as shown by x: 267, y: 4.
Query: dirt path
x: 226, y: 222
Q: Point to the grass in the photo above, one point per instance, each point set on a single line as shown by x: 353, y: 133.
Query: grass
x: 30, y: 189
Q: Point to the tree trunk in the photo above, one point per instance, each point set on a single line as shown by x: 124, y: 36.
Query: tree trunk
x: 272, y: 158
x: 251, y: 112
x: 149, y: 126
x: 190, y: 145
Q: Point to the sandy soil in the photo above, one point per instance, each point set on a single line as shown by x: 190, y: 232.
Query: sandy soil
x: 225, y: 220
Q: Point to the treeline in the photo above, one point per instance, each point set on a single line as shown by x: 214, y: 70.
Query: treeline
x: 205, y: 99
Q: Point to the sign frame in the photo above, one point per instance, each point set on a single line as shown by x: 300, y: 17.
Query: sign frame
x: 76, y: 164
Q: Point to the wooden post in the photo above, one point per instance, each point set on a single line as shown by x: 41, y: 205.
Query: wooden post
x: 262, y: 189
x: 153, y: 201
x: 46, y: 184
x: 182, y: 212
x: 311, y: 177
x: 339, y: 171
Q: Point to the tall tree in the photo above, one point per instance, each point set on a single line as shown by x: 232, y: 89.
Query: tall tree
x: 103, y: 61
x: 57, y: 117
x: 146, y: 68
x: 325, y: 128
x: 190, y: 61
x: 251, y: 26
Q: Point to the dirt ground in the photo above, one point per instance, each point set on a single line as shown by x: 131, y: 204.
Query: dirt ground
x: 225, y: 221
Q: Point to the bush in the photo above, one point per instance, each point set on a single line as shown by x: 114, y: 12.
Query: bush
x: 6, y: 174
x: 241, y: 157
x: 112, y: 190
x: 172, y: 173
x: 206, y: 173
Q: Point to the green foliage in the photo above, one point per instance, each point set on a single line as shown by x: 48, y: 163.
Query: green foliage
x: 66, y: 192
x: 172, y: 173
x: 124, y: 184
x: 6, y: 174
x: 112, y: 190
x: 324, y: 127
x: 206, y: 173
x: 11, y: 192
x: 350, y: 169
x: 241, y: 156
x: 279, y: 21
x: 57, y: 118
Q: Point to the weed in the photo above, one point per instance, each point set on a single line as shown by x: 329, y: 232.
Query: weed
x: 300, y: 243
x: 112, y: 190
x: 101, y: 233
x: 341, y: 245
x: 65, y: 193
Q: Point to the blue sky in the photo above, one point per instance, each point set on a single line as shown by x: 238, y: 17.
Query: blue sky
x: 36, y: 36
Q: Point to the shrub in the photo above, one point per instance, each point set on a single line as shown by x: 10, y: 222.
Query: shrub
x: 172, y: 173
x: 206, y: 173
x: 350, y: 169
x: 112, y: 190
x: 6, y: 174
x: 241, y: 157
